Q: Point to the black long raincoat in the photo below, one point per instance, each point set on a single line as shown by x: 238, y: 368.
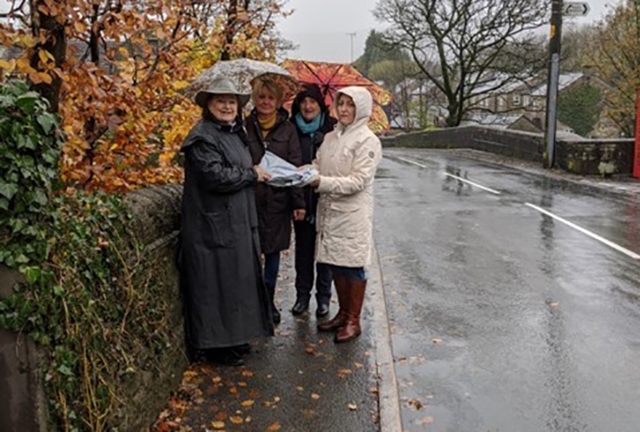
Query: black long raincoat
x: 225, y: 298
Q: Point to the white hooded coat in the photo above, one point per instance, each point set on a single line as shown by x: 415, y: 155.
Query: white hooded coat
x: 347, y: 163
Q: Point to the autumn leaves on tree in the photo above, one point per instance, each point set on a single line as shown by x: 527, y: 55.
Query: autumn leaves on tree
x: 115, y: 72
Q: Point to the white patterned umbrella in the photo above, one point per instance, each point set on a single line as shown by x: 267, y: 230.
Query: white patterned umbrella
x: 243, y: 72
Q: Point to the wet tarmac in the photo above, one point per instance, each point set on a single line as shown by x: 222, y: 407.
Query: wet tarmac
x: 504, y: 318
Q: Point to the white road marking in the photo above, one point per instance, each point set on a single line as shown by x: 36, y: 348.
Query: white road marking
x: 473, y: 184
x: 589, y: 233
x: 452, y: 176
x: 412, y: 162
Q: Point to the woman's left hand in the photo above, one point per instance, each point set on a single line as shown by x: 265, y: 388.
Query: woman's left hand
x: 299, y: 214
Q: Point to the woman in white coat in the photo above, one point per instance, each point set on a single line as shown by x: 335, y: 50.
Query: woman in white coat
x: 347, y: 163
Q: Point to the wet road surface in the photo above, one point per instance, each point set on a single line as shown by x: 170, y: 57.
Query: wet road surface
x: 503, y: 317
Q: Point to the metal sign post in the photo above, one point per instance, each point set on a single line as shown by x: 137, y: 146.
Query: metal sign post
x: 559, y: 8
x: 576, y: 9
x: 636, y: 150
x: 555, y: 43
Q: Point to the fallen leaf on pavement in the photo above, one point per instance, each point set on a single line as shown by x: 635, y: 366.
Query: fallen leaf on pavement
x: 352, y: 406
x: 216, y: 380
x: 233, y: 390
x: 247, y: 403
x: 300, y: 388
x: 273, y: 427
x: 416, y: 404
x: 236, y: 420
x: 217, y: 425
x: 315, y: 396
x: 343, y: 372
x: 247, y: 373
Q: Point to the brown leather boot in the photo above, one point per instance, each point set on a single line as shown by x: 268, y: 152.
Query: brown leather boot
x: 351, y: 329
x: 341, y: 284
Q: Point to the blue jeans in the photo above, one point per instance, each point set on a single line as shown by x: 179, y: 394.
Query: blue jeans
x: 271, y: 268
x: 356, y: 273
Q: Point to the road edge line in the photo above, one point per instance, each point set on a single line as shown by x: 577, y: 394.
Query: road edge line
x: 388, y: 396
x: 597, y: 237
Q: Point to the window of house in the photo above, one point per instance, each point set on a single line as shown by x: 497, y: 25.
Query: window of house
x: 517, y: 100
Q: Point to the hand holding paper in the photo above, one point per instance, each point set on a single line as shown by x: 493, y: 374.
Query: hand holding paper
x: 284, y: 174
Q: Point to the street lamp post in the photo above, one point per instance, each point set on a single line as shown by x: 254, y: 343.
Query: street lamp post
x: 352, y: 36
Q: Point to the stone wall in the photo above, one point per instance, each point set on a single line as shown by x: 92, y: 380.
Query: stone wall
x: 23, y: 408
x: 583, y: 156
x: 156, y: 222
x: 596, y: 157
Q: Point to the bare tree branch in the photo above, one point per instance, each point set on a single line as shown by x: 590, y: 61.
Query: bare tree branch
x: 472, y: 40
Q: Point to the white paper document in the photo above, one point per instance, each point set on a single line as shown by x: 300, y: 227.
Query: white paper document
x: 284, y: 174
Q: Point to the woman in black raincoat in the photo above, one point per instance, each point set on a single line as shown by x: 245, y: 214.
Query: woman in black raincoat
x: 226, y: 303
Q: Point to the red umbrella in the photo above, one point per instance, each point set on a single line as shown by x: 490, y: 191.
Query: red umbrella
x: 331, y: 77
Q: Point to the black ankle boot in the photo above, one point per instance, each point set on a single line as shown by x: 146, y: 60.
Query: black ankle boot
x: 224, y: 357
x: 322, y: 311
x: 300, y: 307
x: 275, y: 313
x: 242, y: 350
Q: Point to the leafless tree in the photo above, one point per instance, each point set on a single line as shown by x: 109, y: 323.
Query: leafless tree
x: 478, y: 45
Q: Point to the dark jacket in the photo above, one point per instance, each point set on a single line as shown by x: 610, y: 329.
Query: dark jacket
x: 225, y: 298
x: 275, y: 205
x: 309, y: 145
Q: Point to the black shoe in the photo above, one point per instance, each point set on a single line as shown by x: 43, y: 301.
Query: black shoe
x: 275, y: 314
x: 300, y: 307
x: 242, y: 350
x: 224, y: 357
x: 322, y: 311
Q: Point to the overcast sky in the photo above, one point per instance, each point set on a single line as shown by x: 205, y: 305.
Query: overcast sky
x: 320, y: 27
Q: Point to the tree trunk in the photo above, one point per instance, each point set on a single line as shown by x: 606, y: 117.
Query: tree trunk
x: 232, y: 18
x: 56, y: 44
x: 453, y: 118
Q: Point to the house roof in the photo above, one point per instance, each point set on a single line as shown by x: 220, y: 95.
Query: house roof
x: 414, y: 86
x: 565, y: 81
x: 498, y: 120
